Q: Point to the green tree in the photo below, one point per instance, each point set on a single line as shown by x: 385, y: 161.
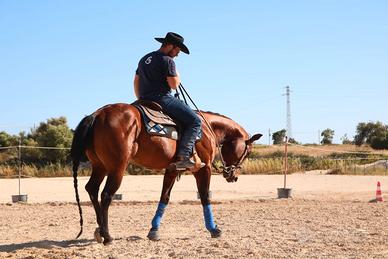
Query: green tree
x: 53, y: 133
x: 7, y: 140
x: 380, y: 142
x: 345, y: 140
x: 327, y: 136
x: 371, y: 132
x: 30, y: 154
x: 292, y: 141
x: 278, y: 137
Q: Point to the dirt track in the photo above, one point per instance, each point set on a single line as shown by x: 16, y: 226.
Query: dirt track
x: 266, y: 229
x: 318, y: 227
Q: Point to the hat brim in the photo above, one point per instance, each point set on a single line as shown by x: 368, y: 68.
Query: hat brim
x: 182, y: 46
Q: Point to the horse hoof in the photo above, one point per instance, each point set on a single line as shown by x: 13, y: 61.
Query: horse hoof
x: 108, y: 240
x: 153, y: 235
x: 97, y: 235
x: 216, y: 233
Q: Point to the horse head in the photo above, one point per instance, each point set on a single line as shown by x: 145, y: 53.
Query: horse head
x: 234, y: 152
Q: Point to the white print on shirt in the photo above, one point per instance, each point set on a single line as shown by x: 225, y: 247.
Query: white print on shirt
x: 148, y: 60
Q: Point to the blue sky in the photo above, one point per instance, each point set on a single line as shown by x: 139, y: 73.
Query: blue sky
x: 68, y: 58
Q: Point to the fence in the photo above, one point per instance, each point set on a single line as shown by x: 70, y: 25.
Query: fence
x: 359, y: 162
x: 18, y: 167
x: 19, y: 159
x: 263, y: 165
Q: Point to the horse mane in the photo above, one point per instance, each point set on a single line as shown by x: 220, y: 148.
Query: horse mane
x: 235, y: 130
x: 215, y: 113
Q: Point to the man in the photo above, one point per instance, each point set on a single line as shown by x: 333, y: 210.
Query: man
x: 155, y: 76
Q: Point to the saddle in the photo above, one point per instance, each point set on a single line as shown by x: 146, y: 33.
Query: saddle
x: 160, y: 124
x: 156, y: 122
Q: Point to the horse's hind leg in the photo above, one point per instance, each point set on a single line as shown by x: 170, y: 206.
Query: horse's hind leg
x: 112, y: 185
x: 168, y: 183
x: 92, y: 187
x: 203, y: 182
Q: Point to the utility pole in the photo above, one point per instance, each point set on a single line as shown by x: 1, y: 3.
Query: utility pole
x: 269, y: 137
x: 319, y: 137
x: 289, y: 128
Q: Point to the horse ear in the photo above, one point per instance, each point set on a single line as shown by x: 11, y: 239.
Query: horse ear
x: 253, y: 138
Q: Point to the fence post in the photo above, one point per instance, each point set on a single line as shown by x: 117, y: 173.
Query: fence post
x: 285, y: 162
x: 20, y: 161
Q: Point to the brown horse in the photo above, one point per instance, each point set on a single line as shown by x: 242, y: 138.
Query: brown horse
x: 114, y: 136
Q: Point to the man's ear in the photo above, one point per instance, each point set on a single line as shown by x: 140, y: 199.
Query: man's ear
x: 253, y: 138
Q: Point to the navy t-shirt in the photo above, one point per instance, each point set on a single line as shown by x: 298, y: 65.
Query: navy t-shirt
x: 153, y: 70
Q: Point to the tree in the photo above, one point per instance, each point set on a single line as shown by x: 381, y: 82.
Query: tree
x: 7, y: 140
x: 278, y: 137
x: 292, y: 141
x: 368, y: 131
x: 327, y: 135
x: 53, y: 133
x: 380, y: 142
x: 31, y: 154
x: 345, y: 140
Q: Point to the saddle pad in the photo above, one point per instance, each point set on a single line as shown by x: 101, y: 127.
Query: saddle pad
x: 158, y: 116
x: 157, y: 123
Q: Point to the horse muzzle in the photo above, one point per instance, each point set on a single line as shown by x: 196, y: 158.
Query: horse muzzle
x: 229, y: 173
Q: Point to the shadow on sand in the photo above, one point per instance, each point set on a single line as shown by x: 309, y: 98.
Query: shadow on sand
x: 46, y: 244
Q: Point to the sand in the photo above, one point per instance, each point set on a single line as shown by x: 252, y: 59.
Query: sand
x: 328, y: 217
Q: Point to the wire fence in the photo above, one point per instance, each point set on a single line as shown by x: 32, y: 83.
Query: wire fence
x: 17, y: 168
x: 360, y: 162
x: 363, y: 164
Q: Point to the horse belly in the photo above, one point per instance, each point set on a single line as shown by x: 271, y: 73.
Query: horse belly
x: 154, y: 152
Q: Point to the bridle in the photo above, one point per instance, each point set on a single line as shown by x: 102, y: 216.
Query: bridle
x: 229, y: 171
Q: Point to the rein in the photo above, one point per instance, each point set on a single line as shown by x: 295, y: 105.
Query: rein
x: 227, y: 171
x: 184, y: 92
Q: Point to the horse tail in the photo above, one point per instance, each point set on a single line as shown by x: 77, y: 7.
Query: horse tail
x: 81, y: 139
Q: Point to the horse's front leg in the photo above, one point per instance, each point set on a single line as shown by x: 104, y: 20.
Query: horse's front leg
x: 168, y: 183
x: 203, y: 182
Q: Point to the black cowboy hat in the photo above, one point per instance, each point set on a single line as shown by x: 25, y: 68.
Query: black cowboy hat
x: 174, y: 39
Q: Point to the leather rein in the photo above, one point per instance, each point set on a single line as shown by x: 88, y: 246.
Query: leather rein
x: 228, y: 172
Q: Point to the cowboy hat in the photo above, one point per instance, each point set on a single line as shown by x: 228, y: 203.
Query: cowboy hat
x: 174, y: 39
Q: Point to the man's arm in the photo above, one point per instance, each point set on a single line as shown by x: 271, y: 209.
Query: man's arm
x: 174, y: 81
x: 136, y: 86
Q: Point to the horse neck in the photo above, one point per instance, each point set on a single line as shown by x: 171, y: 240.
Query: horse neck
x: 226, y: 129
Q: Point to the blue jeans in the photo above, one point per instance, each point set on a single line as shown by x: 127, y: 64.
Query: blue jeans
x: 188, y: 119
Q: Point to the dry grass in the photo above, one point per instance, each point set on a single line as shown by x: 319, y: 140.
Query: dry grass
x: 263, y: 160
x: 270, y: 166
x: 317, y: 150
x: 51, y: 170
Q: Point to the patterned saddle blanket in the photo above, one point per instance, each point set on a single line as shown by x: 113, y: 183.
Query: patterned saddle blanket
x: 156, y: 122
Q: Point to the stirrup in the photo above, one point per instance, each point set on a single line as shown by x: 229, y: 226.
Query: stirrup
x: 184, y: 165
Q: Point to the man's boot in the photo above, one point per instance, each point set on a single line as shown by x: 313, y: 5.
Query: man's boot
x: 184, y: 163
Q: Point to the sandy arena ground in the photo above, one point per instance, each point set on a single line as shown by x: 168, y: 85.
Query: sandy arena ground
x: 328, y: 217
